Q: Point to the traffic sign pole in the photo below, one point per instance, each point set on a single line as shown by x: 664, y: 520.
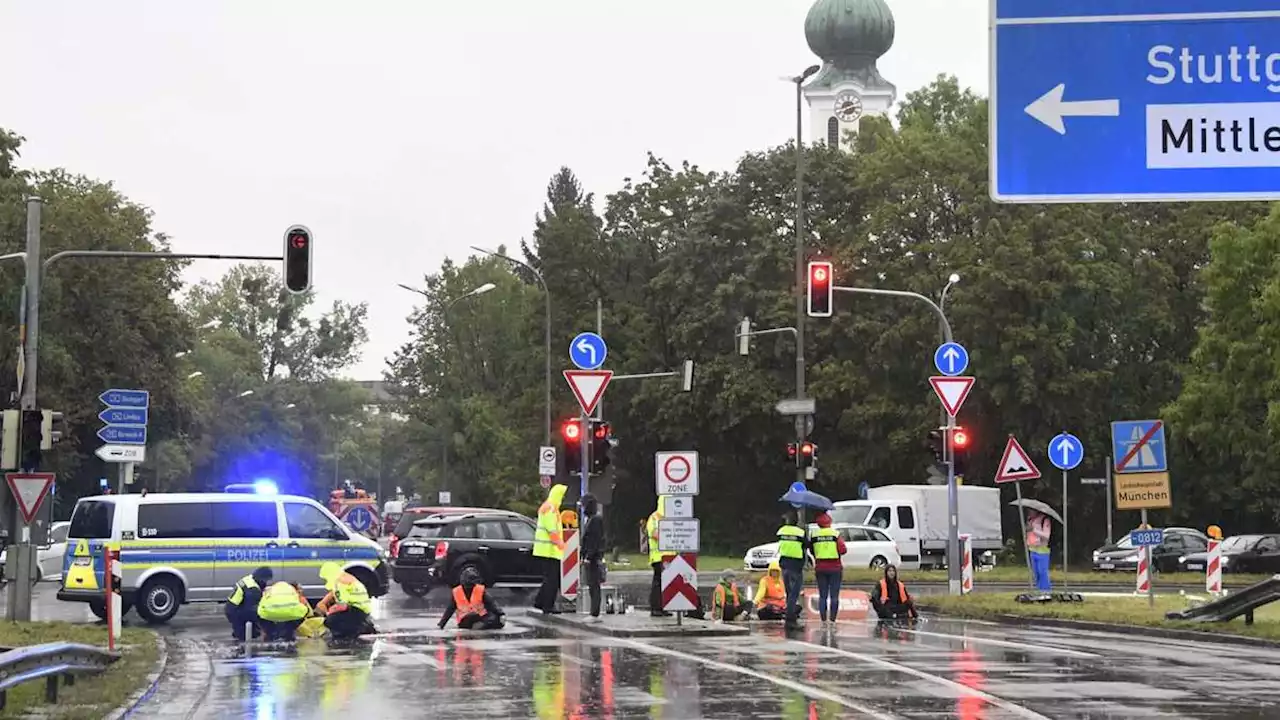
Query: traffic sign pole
x: 1026, y: 549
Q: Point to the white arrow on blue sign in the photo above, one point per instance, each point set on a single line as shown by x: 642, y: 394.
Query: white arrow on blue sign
x: 125, y: 398
x: 951, y: 359
x: 123, y: 416
x: 1134, y: 100
x: 588, y: 351
x: 1066, y: 451
x: 123, y: 435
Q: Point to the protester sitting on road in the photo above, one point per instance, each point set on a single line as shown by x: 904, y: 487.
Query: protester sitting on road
x: 282, y: 610
x: 347, y: 606
x: 890, y: 597
x: 475, y: 608
x: 242, y: 604
x: 726, y: 602
x: 771, y: 595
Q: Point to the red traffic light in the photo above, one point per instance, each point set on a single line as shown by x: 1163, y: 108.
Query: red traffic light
x: 298, y: 241
x: 820, y: 274
x: 571, y: 431
x: 806, y: 448
x: 959, y: 438
x: 601, y: 431
x: 791, y: 450
x: 297, y: 259
x: 820, y: 289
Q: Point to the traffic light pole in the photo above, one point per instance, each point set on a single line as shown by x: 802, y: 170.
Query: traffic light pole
x: 953, y: 492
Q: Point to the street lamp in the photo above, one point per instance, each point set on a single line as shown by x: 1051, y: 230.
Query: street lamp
x: 182, y: 354
x: 444, y: 440
x: 290, y: 406
x: 547, y: 293
x: 246, y: 393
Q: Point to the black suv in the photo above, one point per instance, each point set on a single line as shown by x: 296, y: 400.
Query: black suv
x: 497, y: 543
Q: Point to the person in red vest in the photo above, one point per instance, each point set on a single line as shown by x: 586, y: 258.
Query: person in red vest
x: 475, y: 608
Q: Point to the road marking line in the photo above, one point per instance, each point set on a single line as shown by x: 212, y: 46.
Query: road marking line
x: 961, y: 688
x: 1003, y: 643
x: 415, y: 654
x: 808, y: 690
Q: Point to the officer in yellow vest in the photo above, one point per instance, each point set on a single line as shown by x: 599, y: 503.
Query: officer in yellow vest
x: 548, y: 547
x: 655, y: 558
x: 242, y: 603
x: 791, y: 550
x: 347, y: 606
x: 281, y: 611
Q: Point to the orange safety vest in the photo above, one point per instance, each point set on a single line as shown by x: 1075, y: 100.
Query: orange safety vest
x: 469, y: 606
x: 775, y: 593
x: 884, y: 591
x: 720, y: 595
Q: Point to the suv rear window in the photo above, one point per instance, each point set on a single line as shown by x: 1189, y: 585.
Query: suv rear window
x: 92, y: 520
x: 425, y: 531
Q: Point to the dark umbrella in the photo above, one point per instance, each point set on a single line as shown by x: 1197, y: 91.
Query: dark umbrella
x: 807, y: 499
x: 1038, y: 506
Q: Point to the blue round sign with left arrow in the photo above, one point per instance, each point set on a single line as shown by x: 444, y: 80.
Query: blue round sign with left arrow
x: 951, y: 359
x: 1066, y: 451
x: 588, y: 351
x: 359, y: 518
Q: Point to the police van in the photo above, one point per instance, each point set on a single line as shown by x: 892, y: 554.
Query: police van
x: 182, y: 548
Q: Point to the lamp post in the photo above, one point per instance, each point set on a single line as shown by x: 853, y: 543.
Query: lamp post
x: 801, y: 421
x: 942, y: 307
x: 546, y: 438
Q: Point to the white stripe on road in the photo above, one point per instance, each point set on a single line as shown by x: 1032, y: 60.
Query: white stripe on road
x: 807, y: 690
x: 1003, y: 643
x: 960, y: 688
x: 415, y: 653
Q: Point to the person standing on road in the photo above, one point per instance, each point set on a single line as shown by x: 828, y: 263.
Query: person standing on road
x: 791, y: 550
x: 592, y: 549
x: 1038, y: 531
x: 242, y: 604
x: 548, y: 547
x: 828, y: 548
x: 655, y: 558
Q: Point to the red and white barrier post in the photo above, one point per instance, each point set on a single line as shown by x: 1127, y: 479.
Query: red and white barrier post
x: 571, y: 567
x: 1213, y: 569
x: 112, y: 580
x: 1144, y: 570
x: 966, y: 566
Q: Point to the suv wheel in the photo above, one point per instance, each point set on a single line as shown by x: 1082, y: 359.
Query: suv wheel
x: 415, y: 590
x: 158, y: 601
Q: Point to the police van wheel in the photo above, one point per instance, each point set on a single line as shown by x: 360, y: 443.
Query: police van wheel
x: 158, y: 601
x: 99, y: 609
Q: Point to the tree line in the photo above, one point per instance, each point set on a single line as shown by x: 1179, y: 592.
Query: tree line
x: 1074, y: 316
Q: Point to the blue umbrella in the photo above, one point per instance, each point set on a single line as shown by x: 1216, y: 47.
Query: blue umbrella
x: 800, y: 497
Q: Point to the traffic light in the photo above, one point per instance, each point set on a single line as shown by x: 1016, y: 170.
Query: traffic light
x: 297, y: 259
x: 31, y: 433
x: 808, y: 454
x: 571, y: 433
x: 52, y: 428
x: 960, y: 449
x: 793, y: 454
x: 935, y: 445
x: 820, y: 289
x: 601, y: 444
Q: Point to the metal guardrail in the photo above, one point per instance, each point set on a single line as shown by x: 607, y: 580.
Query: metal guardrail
x: 1241, y: 602
x: 50, y: 661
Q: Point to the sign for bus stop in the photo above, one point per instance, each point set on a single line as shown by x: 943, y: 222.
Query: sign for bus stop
x: 675, y: 472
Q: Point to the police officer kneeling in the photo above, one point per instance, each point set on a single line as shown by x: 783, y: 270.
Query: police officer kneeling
x: 281, y: 611
x: 475, y: 608
x: 242, y: 604
x: 347, y: 606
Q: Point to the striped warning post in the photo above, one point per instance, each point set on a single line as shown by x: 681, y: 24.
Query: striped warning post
x: 1213, y: 569
x: 966, y: 564
x: 570, y: 568
x: 1144, y: 570
x: 680, y: 582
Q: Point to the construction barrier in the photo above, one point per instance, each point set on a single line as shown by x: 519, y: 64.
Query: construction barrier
x: 570, y: 567
x: 1213, y: 569
x: 1144, y: 570
x: 680, y: 582
x: 113, y: 579
x: 966, y: 565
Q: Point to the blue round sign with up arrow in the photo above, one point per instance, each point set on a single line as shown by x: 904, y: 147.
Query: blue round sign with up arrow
x: 588, y: 351
x: 951, y: 359
x: 1066, y: 451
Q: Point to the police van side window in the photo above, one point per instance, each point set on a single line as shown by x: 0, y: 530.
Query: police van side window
x: 245, y: 520
x: 92, y: 520
x: 308, y: 522
x: 175, y: 520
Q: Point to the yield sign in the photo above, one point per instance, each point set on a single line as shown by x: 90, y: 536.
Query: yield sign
x: 952, y: 391
x: 30, y: 490
x: 1015, y: 464
x: 588, y: 386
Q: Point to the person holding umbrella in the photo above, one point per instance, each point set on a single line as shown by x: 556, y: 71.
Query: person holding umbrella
x: 1038, y: 532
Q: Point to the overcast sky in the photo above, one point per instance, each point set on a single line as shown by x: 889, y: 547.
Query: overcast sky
x: 404, y: 132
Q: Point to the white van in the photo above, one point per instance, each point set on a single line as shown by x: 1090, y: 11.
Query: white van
x: 192, y: 547
x: 896, y: 518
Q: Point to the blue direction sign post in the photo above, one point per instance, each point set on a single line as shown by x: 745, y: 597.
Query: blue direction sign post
x: 125, y: 431
x: 1066, y: 451
x: 1134, y: 100
x: 951, y: 359
x: 588, y: 351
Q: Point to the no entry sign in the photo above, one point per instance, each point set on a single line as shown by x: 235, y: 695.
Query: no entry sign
x: 676, y: 472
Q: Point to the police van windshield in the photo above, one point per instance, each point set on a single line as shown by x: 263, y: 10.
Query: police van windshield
x: 92, y: 520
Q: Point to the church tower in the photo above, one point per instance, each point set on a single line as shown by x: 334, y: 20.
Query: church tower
x: 849, y: 36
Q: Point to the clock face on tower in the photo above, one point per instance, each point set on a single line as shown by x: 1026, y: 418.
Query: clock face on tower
x: 848, y: 106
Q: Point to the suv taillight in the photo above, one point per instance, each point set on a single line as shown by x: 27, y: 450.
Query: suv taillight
x: 442, y: 549
x: 394, y: 547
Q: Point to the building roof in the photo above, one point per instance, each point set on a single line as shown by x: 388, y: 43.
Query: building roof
x: 850, y: 36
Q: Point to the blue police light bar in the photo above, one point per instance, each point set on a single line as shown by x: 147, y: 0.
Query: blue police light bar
x: 261, y: 486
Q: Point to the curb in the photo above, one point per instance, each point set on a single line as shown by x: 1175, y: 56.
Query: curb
x: 153, y: 682
x: 1147, y: 630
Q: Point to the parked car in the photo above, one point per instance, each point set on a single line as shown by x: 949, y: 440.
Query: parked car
x: 413, y: 514
x: 868, y: 547
x: 1123, y: 556
x: 1240, y: 554
x: 497, y: 543
x: 48, y: 556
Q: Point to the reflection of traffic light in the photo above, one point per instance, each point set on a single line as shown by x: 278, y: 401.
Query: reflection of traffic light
x: 600, y: 445
x: 808, y: 454
x: 297, y: 259
x: 820, y: 289
x: 571, y: 433
x: 960, y: 449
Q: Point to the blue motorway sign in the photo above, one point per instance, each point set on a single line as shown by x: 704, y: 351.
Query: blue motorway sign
x: 1142, y: 538
x: 1066, y: 451
x: 951, y: 359
x: 1138, y: 446
x: 588, y: 351
x: 123, y: 435
x: 125, y: 398
x: 123, y: 416
x: 359, y: 518
x: 1125, y: 100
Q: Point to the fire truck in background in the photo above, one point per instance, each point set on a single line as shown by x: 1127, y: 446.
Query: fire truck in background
x: 357, y: 508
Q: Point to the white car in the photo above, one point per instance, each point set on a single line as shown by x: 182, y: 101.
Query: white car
x: 49, y: 555
x: 868, y: 547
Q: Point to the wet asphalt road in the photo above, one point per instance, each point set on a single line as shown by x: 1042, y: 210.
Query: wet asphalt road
x: 942, y: 669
